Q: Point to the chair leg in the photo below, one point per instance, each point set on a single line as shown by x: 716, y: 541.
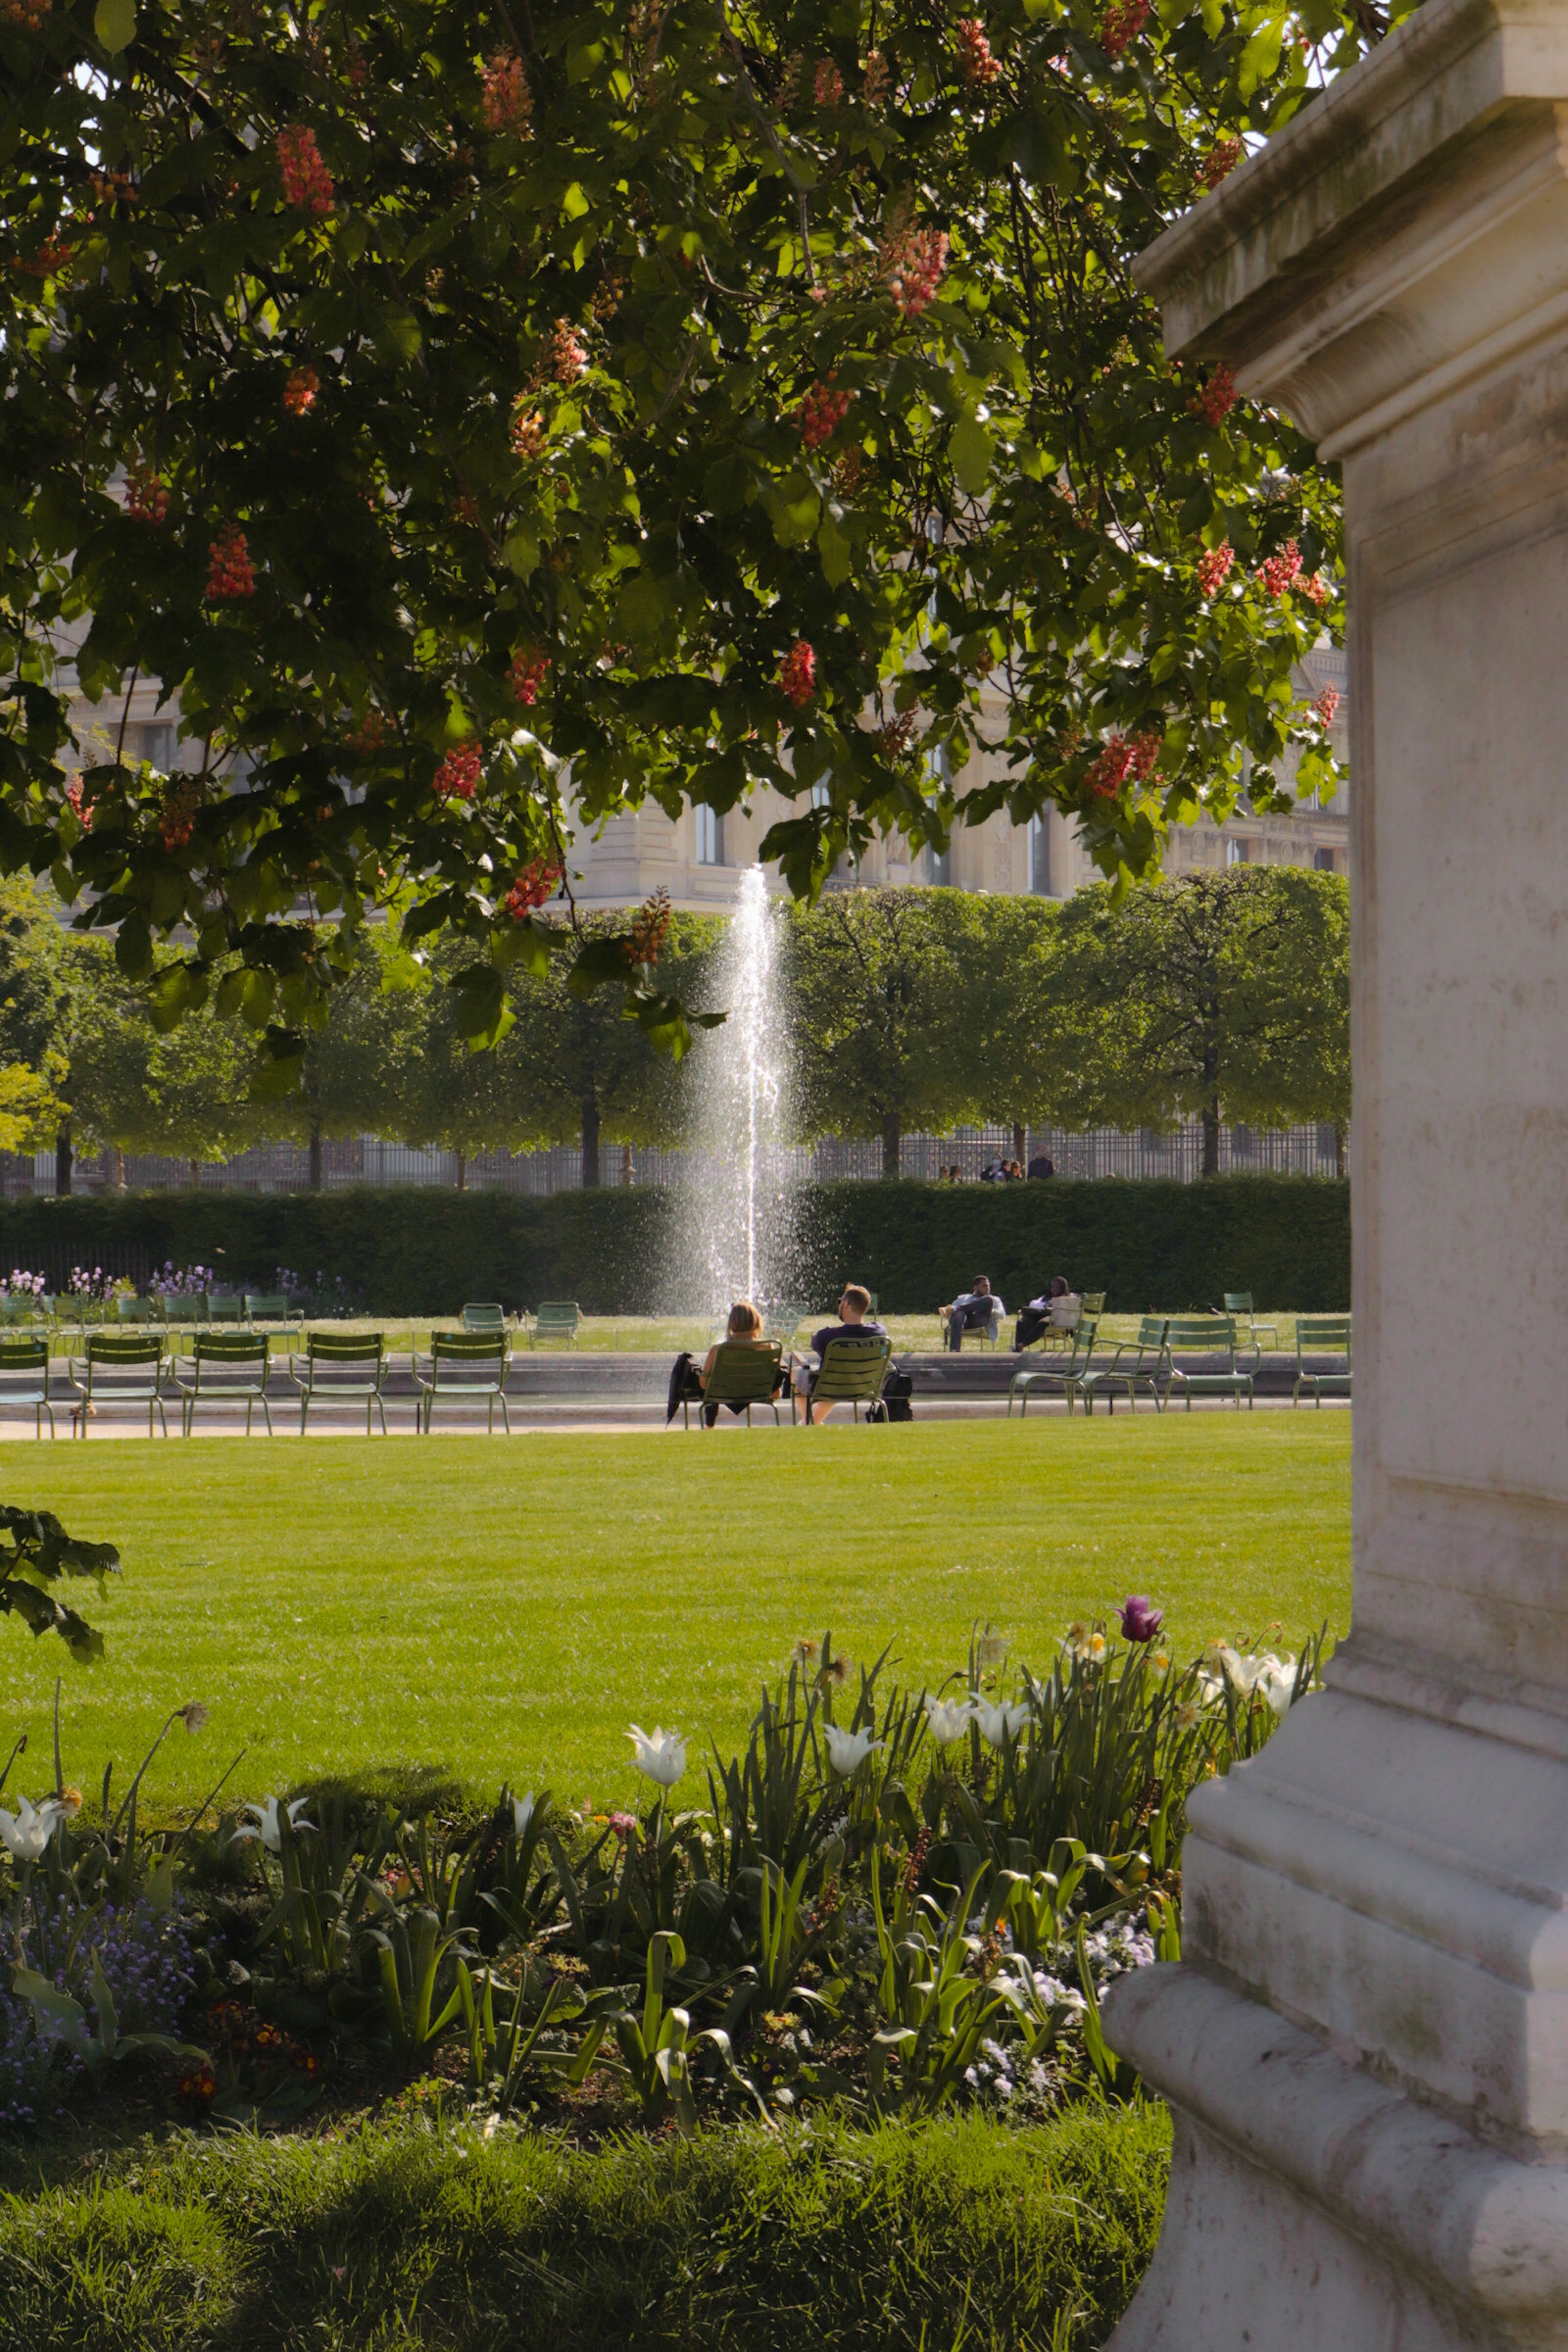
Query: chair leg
x: 266, y: 1413
x: 505, y: 1415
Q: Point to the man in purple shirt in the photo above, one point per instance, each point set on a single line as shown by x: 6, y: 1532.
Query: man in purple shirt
x: 854, y: 1323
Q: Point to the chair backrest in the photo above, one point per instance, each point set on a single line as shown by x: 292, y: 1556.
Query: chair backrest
x: 478, y: 1315
x: 1201, y: 1335
x: 224, y: 1308
x: 742, y: 1372
x: 345, y: 1347
x: 116, y: 1347
x: 180, y: 1305
x: 232, y: 1347
x: 851, y: 1368
x: 270, y: 1306
x: 134, y: 1310
x: 25, y: 1308
x: 1151, y: 1331
x: 469, y: 1347
x: 1084, y: 1336
x: 24, y: 1355
x: 557, y: 1315
x: 1238, y: 1302
x: 1094, y: 1302
x: 1321, y: 1335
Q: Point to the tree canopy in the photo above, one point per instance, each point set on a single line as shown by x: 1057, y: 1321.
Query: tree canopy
x: 449, y: 403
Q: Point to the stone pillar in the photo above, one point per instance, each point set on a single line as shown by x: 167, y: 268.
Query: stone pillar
x: 1366, y: 2048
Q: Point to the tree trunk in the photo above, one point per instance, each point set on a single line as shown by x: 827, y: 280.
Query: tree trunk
x: 119, y: 1169
x: 628, y: 1175
x: 892, y: 1142
x: 315, y: 1157
x: 1020, y: 1142
x: 1211, y: 1135
x: 590, y: 1144
x: 64, y: 1159
x: 462, y: 1172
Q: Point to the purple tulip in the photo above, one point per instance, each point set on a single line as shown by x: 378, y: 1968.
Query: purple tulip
x: 1141, y: 1621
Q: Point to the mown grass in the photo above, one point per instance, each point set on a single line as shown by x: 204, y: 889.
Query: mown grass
x: 477, y: 1611
x: 959, y: 2233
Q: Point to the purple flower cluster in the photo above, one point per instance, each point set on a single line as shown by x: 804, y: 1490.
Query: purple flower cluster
x: 181, y: 1280
x: 20, y: 1283
x: 145, y: 1956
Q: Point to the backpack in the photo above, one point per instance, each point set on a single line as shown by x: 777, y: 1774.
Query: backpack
x: 897, y: 1390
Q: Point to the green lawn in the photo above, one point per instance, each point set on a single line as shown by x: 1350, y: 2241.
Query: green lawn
x: 494, y: 1609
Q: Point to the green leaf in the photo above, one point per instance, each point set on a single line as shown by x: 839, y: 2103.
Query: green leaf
x: 114, y: 22
x: 833, y: 544
x: 971, y: 449
x: 794, y: 508
x: 642, y: 607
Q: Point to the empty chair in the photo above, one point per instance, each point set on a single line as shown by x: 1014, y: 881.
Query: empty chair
x: 25, y: 1380
x: 1320, y: 1336
x: 342, y: 1370
x: 851, y: 1372
x: 741, y: 1375
x: 1135, y: 1364
x: 1209, y: 1336
x: 557, y: 1319
x: 225, y: 1367
x: 1249, y: 1330
x: 119, y: 1368
x: 130, y: 1309
x: 480, y: 1315
x: 223, y: 1306
x: 269, y: 1307
x: 180, y: 1308
x: 1066, y: 1373
x: 465, y: 1364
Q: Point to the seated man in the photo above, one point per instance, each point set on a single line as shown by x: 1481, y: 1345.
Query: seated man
x: 854, y: 1323
x: 973, y: 1310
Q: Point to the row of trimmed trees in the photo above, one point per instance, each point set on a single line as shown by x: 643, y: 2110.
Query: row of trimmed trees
x: 1224, y: 996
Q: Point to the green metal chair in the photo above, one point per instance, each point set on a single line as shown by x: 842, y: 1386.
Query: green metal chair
x: 29, y: 1359
x: 466, y: 1364
x: 1137, y: 1364
x: 225, y: 1367
x: 1321, y: 1335
x: 851, y: 1372
x: 180, y: 1309
x: 1209, y: 1335
x: 269, y: 1307
x: 342, y: 1370
x: 1066, y: 1375
x: 225, y: 1306
x: 557, y: 1319
x: 742, y: 1374
x: 1239, y: 1304
x: 480, y: 1315
x: 119, y: 1368
x: 128, y: 1309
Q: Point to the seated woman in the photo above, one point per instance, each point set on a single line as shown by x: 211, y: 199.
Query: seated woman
x: 1057, y: 1310
x: 687, y: 1380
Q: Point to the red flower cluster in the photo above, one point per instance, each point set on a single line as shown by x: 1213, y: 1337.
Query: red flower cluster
x: 797, y: 674
x: 28, y: 15
x: 1218, y: 398
x: 527, y: 429
x: 533, y: 887
x: 146, y: 499
x: 526, y: 675
x: 893, y: 740
x: 912, y: 263
x: 1277, y: 572
x: 568, y: 357
x: 370, y: 736
x: 650, y: 929
x: 52, y: 259
x: 976, y: 65
x: 1219, y: 163
x: 821, y: 413
x: 178, y: 821
x: 507, y: 103
x: 1327, y: 703
x: 198, y: 2088
x: 111, y: 188
x: 874, y: 87
x: 1120, y: 25
x: 457, y: 777
x: 230, y: 574
x: 306, y: 179
x: 300, y: 392
x: 1121, y: 759
x: 1319, y: 588
x: 848, y: 471
x: 79, y: 803
x: 1213, y: 565
x: 828, y: 84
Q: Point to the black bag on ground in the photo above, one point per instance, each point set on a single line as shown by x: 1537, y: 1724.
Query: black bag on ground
x: 897, y: 1389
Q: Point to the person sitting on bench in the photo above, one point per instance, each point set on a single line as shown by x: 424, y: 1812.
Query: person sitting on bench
x: 1057, y: 1310
x: 979, y: 1309
x: 855, y: 1322
x: 687, y: 1382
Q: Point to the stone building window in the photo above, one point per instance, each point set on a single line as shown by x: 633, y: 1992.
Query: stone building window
x: 710, y: 828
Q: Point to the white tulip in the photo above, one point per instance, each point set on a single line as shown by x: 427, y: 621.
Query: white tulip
x: 662, y: 1757
x: 1000, y: 1724
x: 267, y: 1824
x: 522, y: 1815
x: 26, y: 1834
x: 1277, y: 1684
x: 947, y: 1719
x: 845, y: 1750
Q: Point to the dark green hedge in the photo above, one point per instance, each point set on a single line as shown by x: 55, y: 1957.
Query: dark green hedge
x: 1152, y: 1243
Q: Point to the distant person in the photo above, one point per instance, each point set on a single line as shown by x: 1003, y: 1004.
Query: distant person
x: 688, y: 1380
x: 957, y: 1176
x: 855, y: 1322
x: 1042, y: 1165
x: 1057, y: 1310
x: 994, y: 1173
x: 1013, y: 1172
x: 973, y: 1310
x: 944, y: 1174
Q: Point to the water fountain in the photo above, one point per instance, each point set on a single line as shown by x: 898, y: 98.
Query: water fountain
x: 740, y: 1237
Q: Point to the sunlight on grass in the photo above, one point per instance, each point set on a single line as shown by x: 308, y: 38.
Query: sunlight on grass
x: 492, y: 1609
